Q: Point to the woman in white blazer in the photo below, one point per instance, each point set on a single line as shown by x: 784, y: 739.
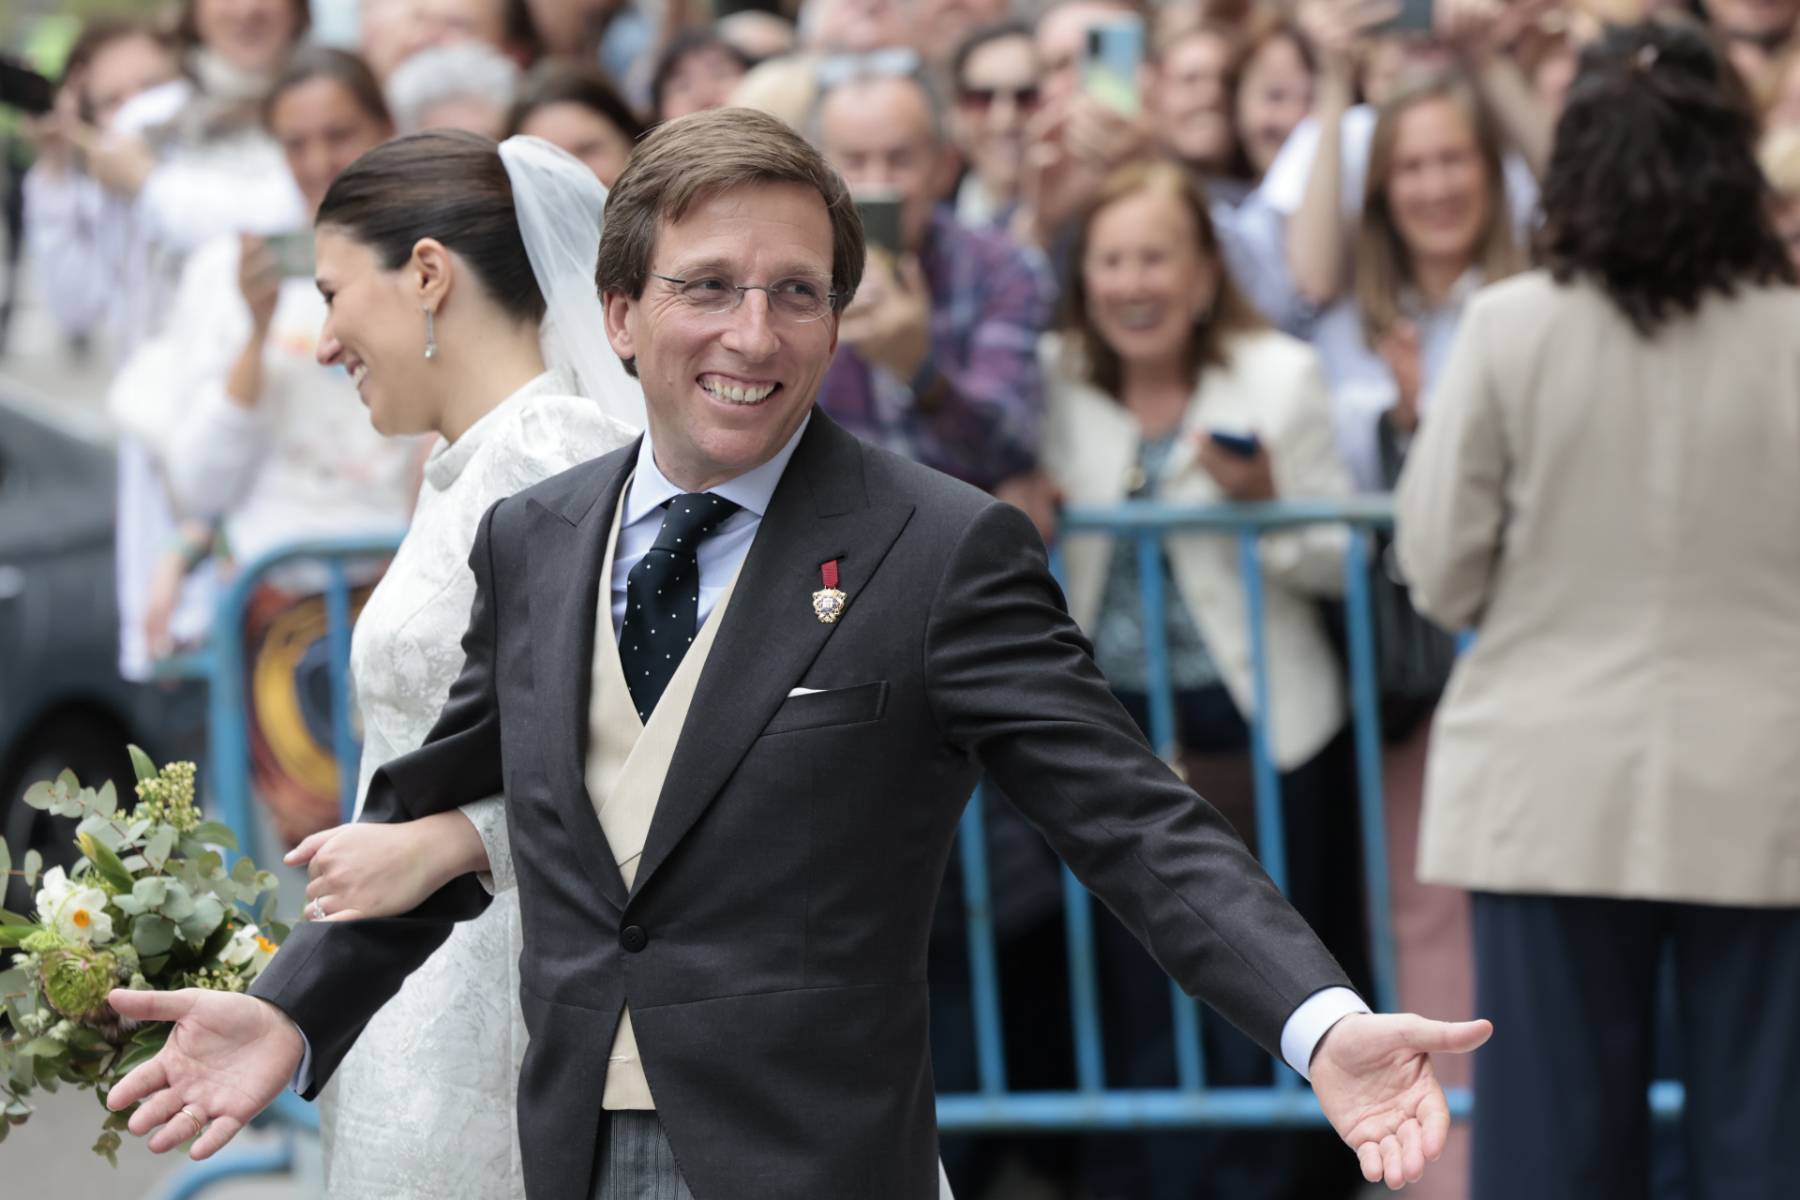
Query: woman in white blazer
x: 1160, y: 351
x: 1605, y: 490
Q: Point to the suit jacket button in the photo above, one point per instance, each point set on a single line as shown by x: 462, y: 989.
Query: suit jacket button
x: 633, y: 938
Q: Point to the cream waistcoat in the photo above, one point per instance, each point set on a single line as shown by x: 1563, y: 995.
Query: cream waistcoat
x: 627, y: 763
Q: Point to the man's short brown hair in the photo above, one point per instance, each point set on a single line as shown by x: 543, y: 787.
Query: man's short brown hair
x: 696, y: 157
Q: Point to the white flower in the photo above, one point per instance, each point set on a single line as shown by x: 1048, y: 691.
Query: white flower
x: 82, y: 917
x: 55, y: 890
x: 247, y: 945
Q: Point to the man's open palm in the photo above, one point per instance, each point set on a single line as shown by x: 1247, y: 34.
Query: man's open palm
x: 1372, y: 1075
x: 227, y: 1058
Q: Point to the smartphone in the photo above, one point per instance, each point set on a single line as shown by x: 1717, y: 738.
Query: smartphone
x: 880, y: 213
x: 1113, y: 62
x: 293, y: 253
x: 1415, y: 16
x: 1243, y: 445
x: 24, y: 89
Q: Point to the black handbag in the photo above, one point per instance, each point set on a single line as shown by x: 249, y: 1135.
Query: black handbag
x: 1413, y: 656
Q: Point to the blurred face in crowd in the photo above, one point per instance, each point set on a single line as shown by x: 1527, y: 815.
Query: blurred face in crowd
x: 859, y: 26
x: 1438, y: 188
x: 1062, y: 38
x: 570, y: 28
x: 252, y: 35
x: 942, y: 25
x: 1762, y: 21
x: 321, y: 130
x: 725, y: 391
x: 583, y: 132
x: 374, y: 330
x: 120, y: 70
x: 997, y: 93
x: 1145, y: 279
x: 700, y: 80
x: 1193, y: 100
x: 878, y: 134
x: 1274, y: 94
x: 391, y: 32
x: 448, y: 21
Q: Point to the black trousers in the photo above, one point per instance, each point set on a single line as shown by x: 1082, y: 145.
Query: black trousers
x: 1571, y: 984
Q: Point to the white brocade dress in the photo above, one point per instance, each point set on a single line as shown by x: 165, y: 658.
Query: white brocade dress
x: 423, y: 1107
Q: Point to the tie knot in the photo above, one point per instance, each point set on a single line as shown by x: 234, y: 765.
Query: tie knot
x: 689, y: 518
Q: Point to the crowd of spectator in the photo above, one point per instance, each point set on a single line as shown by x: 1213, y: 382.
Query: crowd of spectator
x: 1238, y: 278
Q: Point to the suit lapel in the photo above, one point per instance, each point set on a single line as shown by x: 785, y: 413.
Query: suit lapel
x: 565, y: 554
x: 820, y: 511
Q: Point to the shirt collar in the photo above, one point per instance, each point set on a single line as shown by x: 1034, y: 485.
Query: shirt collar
x: 752, y: 491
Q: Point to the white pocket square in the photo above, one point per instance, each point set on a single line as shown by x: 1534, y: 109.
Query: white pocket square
x: 805, y: 691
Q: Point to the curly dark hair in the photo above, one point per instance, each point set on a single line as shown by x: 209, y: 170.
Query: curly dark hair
x: 1653, y: 190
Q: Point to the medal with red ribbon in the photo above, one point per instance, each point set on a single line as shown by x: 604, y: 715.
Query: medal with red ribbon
x: 828, y: 602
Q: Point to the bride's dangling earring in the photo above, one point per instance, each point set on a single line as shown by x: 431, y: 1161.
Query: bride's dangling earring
x: 430, y: 334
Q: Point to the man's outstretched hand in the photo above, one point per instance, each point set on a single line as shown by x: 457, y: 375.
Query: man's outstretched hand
x: 1372, y: 1075
x: 227, y: 1058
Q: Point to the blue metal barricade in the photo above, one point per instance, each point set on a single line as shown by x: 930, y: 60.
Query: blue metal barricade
x: 1092, y: 1106
x: 992, y: 1107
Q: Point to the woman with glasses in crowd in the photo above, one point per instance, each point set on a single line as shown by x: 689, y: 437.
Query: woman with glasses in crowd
x: 1603, y: 489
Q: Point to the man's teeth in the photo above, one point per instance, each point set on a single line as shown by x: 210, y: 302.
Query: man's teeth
x: 358, y: 373
x: 738, y: 395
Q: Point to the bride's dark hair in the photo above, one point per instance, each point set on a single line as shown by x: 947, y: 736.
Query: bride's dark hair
x: 442, y: 184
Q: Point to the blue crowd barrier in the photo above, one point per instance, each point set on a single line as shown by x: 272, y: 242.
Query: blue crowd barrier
x: 1091, y: 1105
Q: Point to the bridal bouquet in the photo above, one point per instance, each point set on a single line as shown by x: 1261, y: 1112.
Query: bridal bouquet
x: 148, y: 905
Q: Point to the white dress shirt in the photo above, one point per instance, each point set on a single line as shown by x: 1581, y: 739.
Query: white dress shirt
x: 720, y: 555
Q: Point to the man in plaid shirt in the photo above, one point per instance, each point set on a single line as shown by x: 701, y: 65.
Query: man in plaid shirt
x: 937, y: 356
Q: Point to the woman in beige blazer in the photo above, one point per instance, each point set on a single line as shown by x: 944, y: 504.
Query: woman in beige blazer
x: 1159, y: 351
x: 1606, y: 491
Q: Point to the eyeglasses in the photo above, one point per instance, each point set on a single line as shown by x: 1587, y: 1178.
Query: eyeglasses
x: 800, y: 299
x: 982, y: 98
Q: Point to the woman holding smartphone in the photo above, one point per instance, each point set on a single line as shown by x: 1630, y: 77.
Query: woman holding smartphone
x: 1164, y: 384
x: 251, y: 437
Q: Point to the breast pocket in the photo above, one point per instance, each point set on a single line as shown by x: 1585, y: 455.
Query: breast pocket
x: 833, y: 706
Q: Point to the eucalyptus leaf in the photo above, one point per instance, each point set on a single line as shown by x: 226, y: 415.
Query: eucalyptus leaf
x: 5, y: 859
x: 217, y: 833
x: 107, y: 1147
x: 130, y: 905
x: 152, y: 935
x: 34, y: 866
x: 142, y: 1052
x: 276, y: 932
x: 39, y: 795
x: 161, y: 843
x: 152, y: 965
x: 43, y: 1047
x: 243, y: 872
x: 68, y: 780
x: 12, y: 981
x: 102, y: 831
x: 178, y: 904
x: 120, y: 1121
x: 207, y: 915
x: 106, y: 800
x: 140, y: 762
x: 151, y: 892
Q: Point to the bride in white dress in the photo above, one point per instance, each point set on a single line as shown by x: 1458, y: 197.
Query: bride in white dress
x: 423, y: 1107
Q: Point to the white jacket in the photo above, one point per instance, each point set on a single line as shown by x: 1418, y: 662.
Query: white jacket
x: 1273, y: 386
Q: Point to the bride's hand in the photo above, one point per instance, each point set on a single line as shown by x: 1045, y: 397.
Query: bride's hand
x: 372, y: 869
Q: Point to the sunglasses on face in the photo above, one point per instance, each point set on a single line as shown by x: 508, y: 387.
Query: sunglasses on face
x: 983, y: 98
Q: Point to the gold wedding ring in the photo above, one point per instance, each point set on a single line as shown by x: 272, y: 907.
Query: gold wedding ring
x: 199, y: 1125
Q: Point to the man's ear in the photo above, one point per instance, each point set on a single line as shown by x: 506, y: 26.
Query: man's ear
x: 617, y: 306
x: 431, y: 273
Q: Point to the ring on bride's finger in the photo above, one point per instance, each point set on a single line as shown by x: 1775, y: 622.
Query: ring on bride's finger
x: 198, y: 1123
x: 316, y: 910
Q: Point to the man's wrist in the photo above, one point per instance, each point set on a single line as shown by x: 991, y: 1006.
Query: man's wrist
x: 1307, y: 1027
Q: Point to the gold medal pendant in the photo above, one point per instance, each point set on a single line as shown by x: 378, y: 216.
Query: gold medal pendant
x: 828, y: 602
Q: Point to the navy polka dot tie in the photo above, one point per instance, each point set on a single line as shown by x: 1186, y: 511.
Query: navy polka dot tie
x: 662, y: 597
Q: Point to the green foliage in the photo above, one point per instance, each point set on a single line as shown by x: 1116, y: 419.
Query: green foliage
x: 149, y: 904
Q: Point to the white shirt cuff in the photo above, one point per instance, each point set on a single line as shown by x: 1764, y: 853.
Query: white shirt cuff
x: 303, y: 1073
x: 1309, y: 1025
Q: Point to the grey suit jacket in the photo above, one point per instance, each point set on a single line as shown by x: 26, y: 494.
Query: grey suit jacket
x: 773, y: 947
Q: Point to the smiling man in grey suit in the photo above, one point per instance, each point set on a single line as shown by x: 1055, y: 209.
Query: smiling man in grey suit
x: 737, y: 683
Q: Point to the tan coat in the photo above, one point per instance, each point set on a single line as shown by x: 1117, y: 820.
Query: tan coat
x: 1619, y: 521
x: 1273, y: 386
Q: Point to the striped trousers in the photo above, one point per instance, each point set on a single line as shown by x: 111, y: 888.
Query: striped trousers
x: 636, y: 1161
